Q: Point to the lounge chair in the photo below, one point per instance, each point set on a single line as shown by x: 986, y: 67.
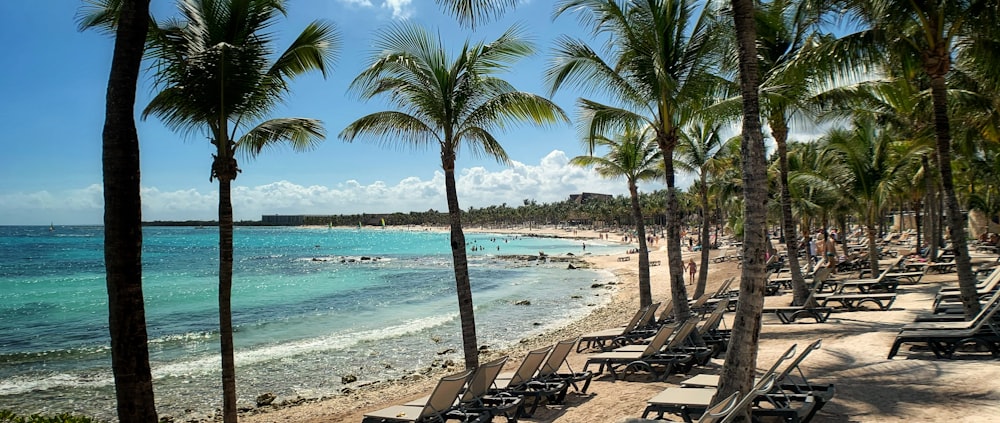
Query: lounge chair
x: 643, y: 357
x: 854, y: 302
x: 957, y: 317
x: 549, y: 371
x: 522, y: 382
x: 435, y: 409
x: 787, y: 399
x: 788, y: 314
x: 711, y: 381
x: 602, y: 339
x: 690, y: 402
x: 475, y: 401
x: 944, y: 343
x: 719, y: 411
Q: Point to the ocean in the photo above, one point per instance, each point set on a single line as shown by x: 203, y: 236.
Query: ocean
x: 310, y: 305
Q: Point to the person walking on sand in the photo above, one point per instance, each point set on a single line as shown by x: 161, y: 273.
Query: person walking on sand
x: 692, y: 270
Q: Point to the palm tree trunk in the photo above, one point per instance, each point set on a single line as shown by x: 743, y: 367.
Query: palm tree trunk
x: 667, y: 143
x: 699, y: 289
x: 225, y: 300
x: 463, y: 286
x: 956, y: 220
x: 645, y: 292
x: 123, y: 222
x: 779, y: 130
x: 872, y: 249
x: 741, y: 358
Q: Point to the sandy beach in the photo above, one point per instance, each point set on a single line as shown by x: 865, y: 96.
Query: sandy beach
x: 914, y: 386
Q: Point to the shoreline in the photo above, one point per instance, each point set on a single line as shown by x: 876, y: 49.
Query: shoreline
x: 616, y: 310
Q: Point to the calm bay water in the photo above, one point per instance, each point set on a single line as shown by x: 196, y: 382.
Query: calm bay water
x: 306, y: 310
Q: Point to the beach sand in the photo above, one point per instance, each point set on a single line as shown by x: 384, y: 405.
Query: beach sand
x: 914, y: 386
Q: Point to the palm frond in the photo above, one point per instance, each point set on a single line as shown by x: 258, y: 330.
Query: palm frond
x: 300, y: 134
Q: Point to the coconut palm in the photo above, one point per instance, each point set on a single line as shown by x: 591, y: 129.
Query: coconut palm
x: 452, y: 103
x: 659, y: 74
x: 741, y: 358
x: 873, y: 168
x: 632, y: 155
x: 474, y: 12
x: 123, y: 212
x: 923, y: 35
x: 701, y: 152
x: 214, y: 70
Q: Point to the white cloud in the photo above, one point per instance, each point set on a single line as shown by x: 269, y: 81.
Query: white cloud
x: 551, y: 180
x: 400, y: 9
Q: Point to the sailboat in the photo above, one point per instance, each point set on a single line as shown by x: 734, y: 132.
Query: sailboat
x: 52, y: 228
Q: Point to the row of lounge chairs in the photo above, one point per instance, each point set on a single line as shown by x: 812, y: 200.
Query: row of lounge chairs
x: 945, y: 332
x: 784, y: 393
x: 479, y: 396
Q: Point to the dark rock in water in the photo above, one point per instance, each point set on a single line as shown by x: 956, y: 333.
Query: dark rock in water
x: 265, y: 399
x: 536, y: 324
x: 363, y: 258
x: 523, y: 302
x: 447, y: 351
x: 166, y: 419
x: 576, y: 297
x: 449, y: 363
x: 569, y: 254
x: 596, y: 285
x: 571, y: 267
x: 484, y: 348
x: 346, y: 391
x: 345, y: 379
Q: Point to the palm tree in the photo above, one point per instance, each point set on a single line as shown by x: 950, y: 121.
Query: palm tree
x: 871, y: 172
x: 741, y: 358
x: 452, y: 103
x: 634, y: 156
x: 661, y: 73
x: 123, y: 215
x: 214, y: 70
x: 701, y: 151
x: 473, y: 12
x: 924, y: 35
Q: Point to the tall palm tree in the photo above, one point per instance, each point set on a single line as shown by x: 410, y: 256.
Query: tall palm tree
x: 660, y: 73
x: 741, y: 358
x: 632, y: 155
x: 452, y: 103
x: 924, y: 35
x: 123, y: 214
x: 215, y: 73
x: 871, y: 172
x: 701, y: 152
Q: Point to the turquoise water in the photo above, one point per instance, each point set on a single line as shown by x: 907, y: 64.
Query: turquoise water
x: 307, y: 309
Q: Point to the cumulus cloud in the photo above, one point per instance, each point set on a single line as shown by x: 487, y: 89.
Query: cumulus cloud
x: 552, y: 179
x: 400, y: 9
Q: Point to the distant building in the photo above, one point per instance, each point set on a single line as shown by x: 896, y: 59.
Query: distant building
x: 283, y: 219
x: 589, y: 196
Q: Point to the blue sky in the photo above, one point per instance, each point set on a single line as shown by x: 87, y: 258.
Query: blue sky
x: 54, y: 80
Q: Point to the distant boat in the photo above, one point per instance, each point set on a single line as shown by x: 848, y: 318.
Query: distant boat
x: 52, y: 228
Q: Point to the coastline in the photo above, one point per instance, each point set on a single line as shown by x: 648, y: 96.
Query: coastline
x: 914, y: 386
x: 369, y: 396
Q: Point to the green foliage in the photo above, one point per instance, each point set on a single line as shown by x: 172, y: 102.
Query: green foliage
x: 7, y: 416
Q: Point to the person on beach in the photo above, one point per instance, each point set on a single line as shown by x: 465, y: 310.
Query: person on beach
x: 692, y: 270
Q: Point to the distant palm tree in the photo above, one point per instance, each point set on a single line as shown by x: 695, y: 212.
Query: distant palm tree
x: 475, y: 12
x: 452, y: 103
x: 873, y: 168
x: 659, y: 75
x: 215, y: 73
x: 741, y: 358
x: 632, y: 155
x: 701, y: 152
x: 123, y: 212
